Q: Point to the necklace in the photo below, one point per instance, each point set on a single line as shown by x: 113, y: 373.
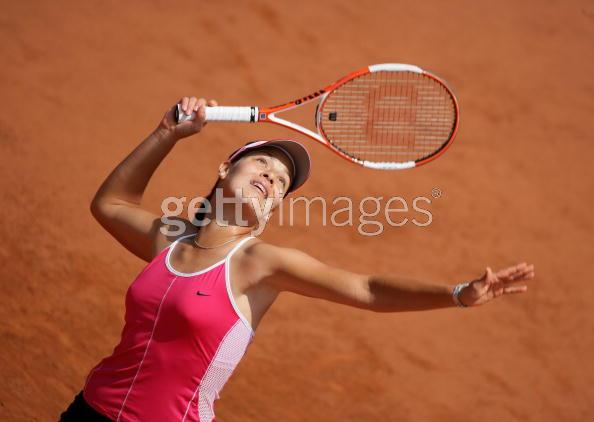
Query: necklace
x: 217, y: 246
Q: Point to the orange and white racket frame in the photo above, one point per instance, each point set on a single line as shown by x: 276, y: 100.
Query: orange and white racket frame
x: 254, y: 114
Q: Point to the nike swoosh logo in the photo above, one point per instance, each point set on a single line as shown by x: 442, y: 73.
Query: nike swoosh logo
x: 199, y: 293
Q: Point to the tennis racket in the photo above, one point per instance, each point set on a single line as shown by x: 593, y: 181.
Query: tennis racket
x: 385, y: 116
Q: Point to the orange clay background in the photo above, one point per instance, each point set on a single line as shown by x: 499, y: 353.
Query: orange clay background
x: 82, y: 83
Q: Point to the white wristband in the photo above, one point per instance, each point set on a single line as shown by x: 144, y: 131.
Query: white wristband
x: 456, y: 294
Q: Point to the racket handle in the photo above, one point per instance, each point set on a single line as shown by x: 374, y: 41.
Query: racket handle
x: 221, y: 114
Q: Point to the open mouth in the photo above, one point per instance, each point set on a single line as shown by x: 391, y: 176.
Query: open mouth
x: 261, y: 188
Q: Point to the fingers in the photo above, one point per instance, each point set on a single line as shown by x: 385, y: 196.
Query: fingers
x: 515, y: 289
x: 201, y: 116
x: 509, y: 271
x: 525, y: 273
x: 193, y: 104
x: 515, y: 273
x: 201, y: 102
x: 489, y: 276
x: 492, y: 285
x: 493, y: 282
x: 201, y: 112
x: 483, y: 284
x: 184, y: 104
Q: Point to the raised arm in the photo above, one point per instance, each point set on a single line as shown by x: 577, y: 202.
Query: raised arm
x: 295, y: 271
x: 117, y: 203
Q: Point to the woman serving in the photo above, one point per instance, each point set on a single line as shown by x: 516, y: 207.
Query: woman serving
x: 192, y: 311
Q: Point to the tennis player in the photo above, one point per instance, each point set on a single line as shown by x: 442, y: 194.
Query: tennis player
x: 192, y: 311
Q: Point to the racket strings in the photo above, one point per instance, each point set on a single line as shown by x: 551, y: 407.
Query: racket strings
x: 389, y: 117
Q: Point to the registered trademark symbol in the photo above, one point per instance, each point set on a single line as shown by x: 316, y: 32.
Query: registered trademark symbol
x: 436, y: 193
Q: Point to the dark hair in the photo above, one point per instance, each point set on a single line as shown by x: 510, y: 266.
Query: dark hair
x: 199, y: 216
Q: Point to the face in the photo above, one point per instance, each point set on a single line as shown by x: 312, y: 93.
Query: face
x: 259, y: 177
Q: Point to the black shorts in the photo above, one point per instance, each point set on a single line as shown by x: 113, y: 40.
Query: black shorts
x: 80, y: 411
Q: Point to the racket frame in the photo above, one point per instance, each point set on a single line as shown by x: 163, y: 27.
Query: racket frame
x: 253, y: 114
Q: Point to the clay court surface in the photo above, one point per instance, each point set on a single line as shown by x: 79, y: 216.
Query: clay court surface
x: 82, y: 83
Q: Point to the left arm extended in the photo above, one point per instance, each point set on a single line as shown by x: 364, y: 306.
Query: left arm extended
x: 392, y: 294
x: 296, y: 271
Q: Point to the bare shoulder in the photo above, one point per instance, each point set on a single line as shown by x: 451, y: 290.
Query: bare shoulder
x: 171, y: 230
x: 277, y: 269
x: 268, y: 257
x: 254, y: 258
x: 274, y: 265
x: 257, y: 261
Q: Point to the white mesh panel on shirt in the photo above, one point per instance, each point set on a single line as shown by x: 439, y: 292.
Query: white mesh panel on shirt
x: 230, y: 352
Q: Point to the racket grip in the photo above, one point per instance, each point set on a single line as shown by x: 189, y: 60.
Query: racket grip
x: 221, y: 114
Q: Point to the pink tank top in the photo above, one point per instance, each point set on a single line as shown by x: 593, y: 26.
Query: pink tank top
x: 183, y: 337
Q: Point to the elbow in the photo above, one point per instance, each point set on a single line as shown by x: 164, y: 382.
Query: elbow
x: 97, y: 209
x: 100, y: 208
x: 368, y: 298
x: 374, y: 300
x: 94, y: 208
x: 376, y: 307
x: 103, y: 205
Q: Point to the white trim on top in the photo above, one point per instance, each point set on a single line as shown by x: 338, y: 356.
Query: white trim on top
x: 227, y: 261
x: 228, y: 285
x: 181, y: 274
